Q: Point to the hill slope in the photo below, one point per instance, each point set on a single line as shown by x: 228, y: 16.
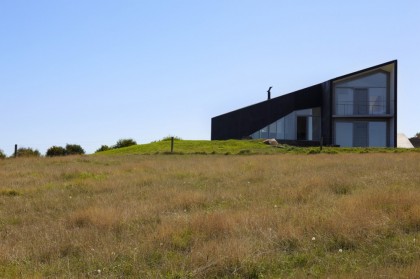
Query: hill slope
x: 237, y: 147
x: 196, y: 147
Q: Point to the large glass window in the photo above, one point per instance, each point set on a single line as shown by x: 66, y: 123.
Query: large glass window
x: 361, y: 133
x: 361, y: 96
x: 301, y: 125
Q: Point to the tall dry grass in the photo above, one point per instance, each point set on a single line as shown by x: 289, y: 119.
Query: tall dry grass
x: 352, y: 215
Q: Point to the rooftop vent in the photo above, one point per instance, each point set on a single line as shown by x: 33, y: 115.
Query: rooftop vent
x: 269, y: 93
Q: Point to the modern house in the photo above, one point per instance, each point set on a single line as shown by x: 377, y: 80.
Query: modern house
x: 355, y: 110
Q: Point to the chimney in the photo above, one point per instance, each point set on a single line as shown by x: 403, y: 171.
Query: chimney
x: 269, y: 93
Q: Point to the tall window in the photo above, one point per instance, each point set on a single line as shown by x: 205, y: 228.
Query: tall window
x: 360, y: 102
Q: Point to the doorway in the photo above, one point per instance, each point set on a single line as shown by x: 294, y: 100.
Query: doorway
x: 301, y: 128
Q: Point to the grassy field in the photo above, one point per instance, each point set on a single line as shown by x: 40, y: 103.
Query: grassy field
x: 196, y: 216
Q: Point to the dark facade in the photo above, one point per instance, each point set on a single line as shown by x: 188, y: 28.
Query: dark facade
x: 357, y: 109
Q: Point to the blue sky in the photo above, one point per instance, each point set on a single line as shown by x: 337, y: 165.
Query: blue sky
x: 90, y: 72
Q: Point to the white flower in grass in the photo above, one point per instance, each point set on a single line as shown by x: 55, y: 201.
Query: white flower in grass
x: 99, y: 271
x: 313, y: 238
x: 340, y: 250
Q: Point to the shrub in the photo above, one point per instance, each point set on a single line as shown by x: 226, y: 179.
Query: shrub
x: 56, y: 151
x: 124, y: 143
x: 103, y: 148
x: 74, y: 149
x: 27, y: 152
x: 2, y: 155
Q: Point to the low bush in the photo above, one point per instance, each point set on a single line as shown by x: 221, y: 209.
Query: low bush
x: 71, y: 149
x: 2, y: 155
x: 27, y: 152
x: 74, y: 149
x: 120, y: 144
x: 124, y: 143
x: 56, y: 151
x: 103, y: 148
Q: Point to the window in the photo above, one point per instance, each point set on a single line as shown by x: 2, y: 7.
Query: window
x: 361, y: 133
x: 272, y: 130
x: 366, y: 95
x: 344, y: 134
x: 377, y: 134
x: 360, y: 103
x: 301, y: 124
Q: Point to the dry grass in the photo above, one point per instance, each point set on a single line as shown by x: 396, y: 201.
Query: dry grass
x: 341, y: 216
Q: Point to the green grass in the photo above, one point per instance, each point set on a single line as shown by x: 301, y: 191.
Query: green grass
x: 197, y: 147
x: 242, y: 147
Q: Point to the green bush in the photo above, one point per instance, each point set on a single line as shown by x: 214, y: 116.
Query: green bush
x: 74, y: 149
x: 2, y: 155
x: 103, y: 148
x: 27, y: 152
x: 71, y: 149
x: 124, y: 143
x: 56, y: 151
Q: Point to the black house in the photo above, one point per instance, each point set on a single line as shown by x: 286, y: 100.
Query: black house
x: 358, y: 109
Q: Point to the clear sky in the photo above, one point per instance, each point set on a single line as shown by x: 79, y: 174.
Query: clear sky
x: 90, y: 72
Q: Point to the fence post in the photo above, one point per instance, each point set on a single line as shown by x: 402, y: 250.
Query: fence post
x: 172, y: 144
x: 321, y: 142
x: 15, y: 151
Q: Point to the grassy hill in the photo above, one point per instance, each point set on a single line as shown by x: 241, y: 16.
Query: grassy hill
x: 193, y: 216
x: 236, y: 147
x: 196, y: 147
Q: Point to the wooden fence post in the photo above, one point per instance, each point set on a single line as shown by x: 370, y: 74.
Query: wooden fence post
x: 321, y: 143
x: 15, y: 151
x: 172, y: 144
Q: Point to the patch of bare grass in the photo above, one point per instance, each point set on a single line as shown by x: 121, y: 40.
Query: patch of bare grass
x: 102, y: 218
